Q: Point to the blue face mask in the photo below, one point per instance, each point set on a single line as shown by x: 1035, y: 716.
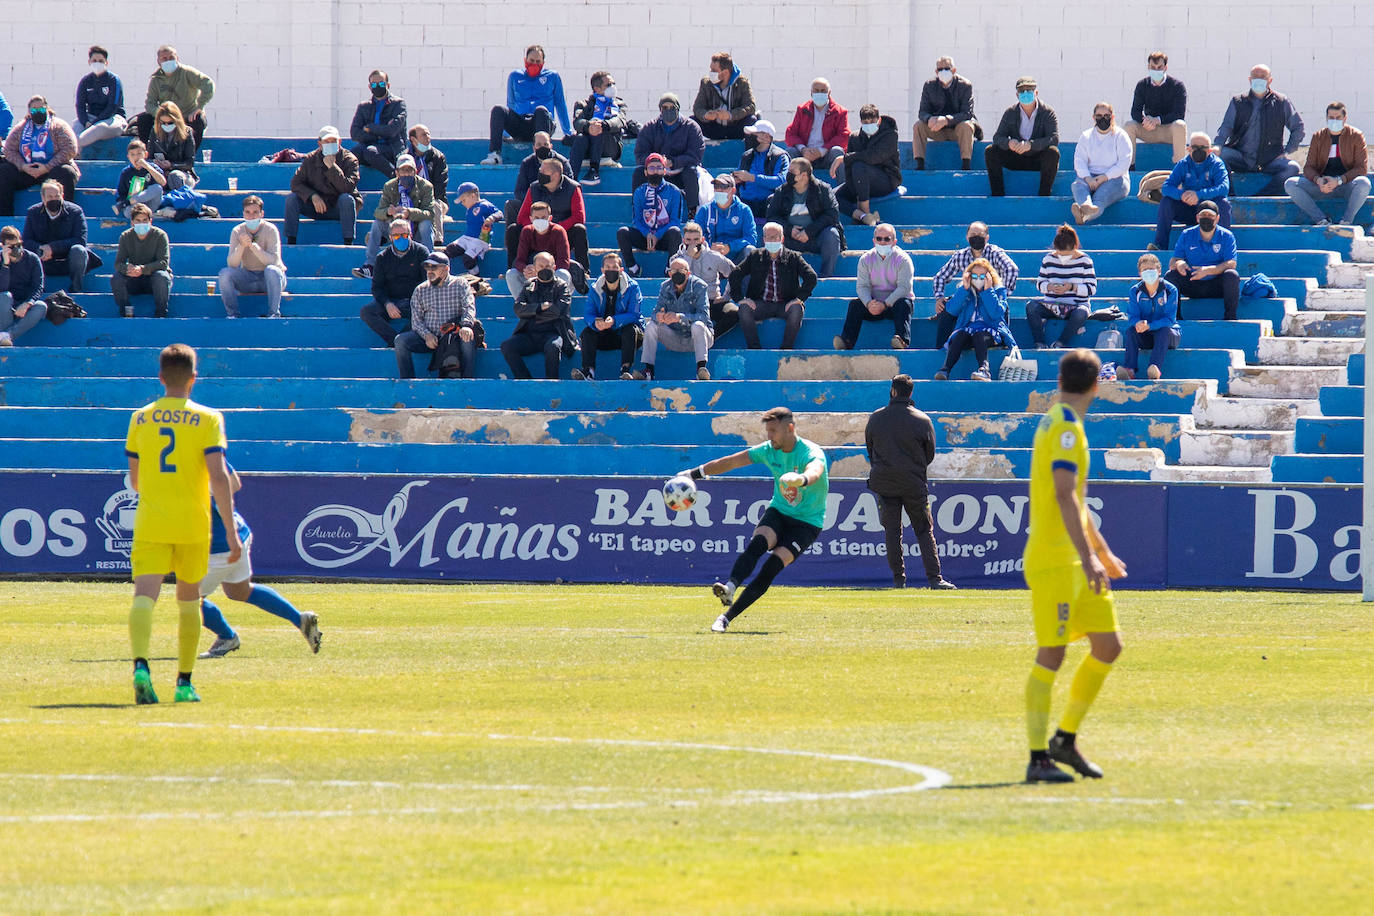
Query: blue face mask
x: 869, y: 129
x: 1025, y: 98
x: 253, y: 224
x: 330, y: 149
x: 1150, y: 276
x: 820, y: 99
x: 167, y: 128
x: 1259, y: 86
x: 142, y: 229
x: 772, y: 247
x: 1335, y: 126
x: 1156, y: 76
x: 400, y: 244
x: 722, y: 198
x: 884, y: 250
x: 422, y: 148
x: 169, y: 67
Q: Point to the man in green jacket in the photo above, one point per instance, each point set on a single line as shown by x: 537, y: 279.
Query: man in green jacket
x: 407, y: 196
x: 142, y: 264
x: 174, y: 81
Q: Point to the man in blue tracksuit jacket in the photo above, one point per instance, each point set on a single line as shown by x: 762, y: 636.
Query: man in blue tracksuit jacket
x: 533, y: 96
x: 727, y: 222
x: 1199, y: 176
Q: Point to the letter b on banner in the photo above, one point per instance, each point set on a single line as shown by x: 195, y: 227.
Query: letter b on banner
x: 1267, y: 533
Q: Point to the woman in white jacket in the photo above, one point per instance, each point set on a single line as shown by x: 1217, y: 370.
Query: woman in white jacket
x: 1102, y: 163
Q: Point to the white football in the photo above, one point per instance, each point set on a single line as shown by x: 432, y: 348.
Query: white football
x: 680, y: 493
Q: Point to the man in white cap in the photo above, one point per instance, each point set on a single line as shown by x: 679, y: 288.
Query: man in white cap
x: 325, y: 186
x: 762, y: 168
x: 407, y: 196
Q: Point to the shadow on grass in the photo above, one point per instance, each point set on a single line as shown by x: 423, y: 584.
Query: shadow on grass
x: 126, y: 661
x: 984, y: 785
x: 85, y: 706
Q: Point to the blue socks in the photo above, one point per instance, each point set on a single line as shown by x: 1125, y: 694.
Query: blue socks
x: 267, y: 599
x: 214, y: 621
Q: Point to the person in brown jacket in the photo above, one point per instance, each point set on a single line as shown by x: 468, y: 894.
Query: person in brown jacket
x: 1337, y: 166
x: 724, y: 105
x: 325, y: 186
x: 38, y: 148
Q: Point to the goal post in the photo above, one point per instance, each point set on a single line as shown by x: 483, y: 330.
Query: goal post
x: 1367, y: 494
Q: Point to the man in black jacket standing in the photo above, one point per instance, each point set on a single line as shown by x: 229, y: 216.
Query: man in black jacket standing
x: 901, y: 444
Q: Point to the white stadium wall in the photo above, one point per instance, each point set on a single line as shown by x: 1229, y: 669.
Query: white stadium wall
x: 284, y: 67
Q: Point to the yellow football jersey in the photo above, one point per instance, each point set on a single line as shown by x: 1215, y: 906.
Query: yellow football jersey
x: 170, y: 438
x: 1060, y: 442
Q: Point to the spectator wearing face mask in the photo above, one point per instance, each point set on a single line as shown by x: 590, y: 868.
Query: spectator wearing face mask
x: 399, y: 270
x: 979, y: 305
x: 407, y: 197
x: 173, y: 148
x: 55, y: 230
x: 378, y: 131
x: 1199, y: 176
x: 99, y: 101
x: 534, y: 95
x: 1027, y: 140
x: 528, y: 173
x: 432, y: 166
x: 978, y: 247
x: 655, y: 216
x: 254, y: 263
x: 1337, y: 167
x: 724, y: 106
x: 140, y: 182
x: 1158, y: 107
x: 600, y: 122
x: 174, y: 81
x: 681, y: 322
x: 441, y: 300
x: 1151, y: 321
x: 772, y: 282
x: 1251, y: 134
x: 819, y: 132
x: 884, y: 291
x: 541, y: 235
x: 544, y: 307
x: 713, y: 268
x: 143, y: 264
x: 39, y: 148
x: 21, y: 288
x: 678, y: 141
x: 614, y: 317
x: 946, y: 113
x: 872, y: 167
x: 808, y: 209
x: 1102, y: 166
x: 762, y: 168
x: 325, y: 186
x: 566, y: 206
x: 1066, y: 284
x: 1204, y: 263
x: 728, y: 224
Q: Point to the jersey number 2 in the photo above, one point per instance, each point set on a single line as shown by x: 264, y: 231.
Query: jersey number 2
x: 167, y: 468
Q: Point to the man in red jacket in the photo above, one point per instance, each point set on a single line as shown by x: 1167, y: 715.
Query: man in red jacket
x: 819, y: 132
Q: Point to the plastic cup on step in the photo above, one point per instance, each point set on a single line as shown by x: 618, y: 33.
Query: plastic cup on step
x: 209, y: 287
x: 206, y: 154
x: 233, y: 184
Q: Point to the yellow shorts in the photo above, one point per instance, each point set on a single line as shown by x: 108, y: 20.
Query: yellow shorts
x: 1065, y: 607
x: 190, y: 562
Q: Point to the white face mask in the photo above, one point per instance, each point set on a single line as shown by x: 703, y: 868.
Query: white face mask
x: 722, y: 199
x: 1335, y: 126
x: 869, y: 129
x: 884, y: 250
x: 540, y: 225
x: 976, y: 284
x: 1156, y: 76
x: 945, y: 76
x: 98, y: 68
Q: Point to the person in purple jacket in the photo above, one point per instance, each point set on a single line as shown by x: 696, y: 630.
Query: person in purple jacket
x: 678, y: 140
x: 534, y: 95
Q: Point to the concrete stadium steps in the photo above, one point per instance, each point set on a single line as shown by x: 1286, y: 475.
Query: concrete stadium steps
x: 823, y: 323
x: 1330, y: 435
x: 612, y: 209
x: 796, y: 365
x: 1354, y: 369
x: 1308, y: 351
x: 1342, y: 401
x: 1302, y: 382
x: 1219, y: 412
x: 1253, y: 448
x: 1318, y: 469
x: 631, y: 429
x: 1314, y: 323
x: 1334, y: 299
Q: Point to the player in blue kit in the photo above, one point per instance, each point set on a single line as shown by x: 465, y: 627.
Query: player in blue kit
x: 794, y: 518
x: 237, y: 581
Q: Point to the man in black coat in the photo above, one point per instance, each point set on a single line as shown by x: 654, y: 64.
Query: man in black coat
x: 379, y: 126
x: 772, y: 282
x: 871, y: 168
x: 901, y: 444
x: 1027, y: 140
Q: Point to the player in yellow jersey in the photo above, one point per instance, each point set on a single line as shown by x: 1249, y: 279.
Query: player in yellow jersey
x: 1068, y: 567
x: 176, y: 461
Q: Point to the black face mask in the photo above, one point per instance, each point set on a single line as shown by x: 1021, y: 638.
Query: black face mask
x: 39, y: 118
x: 977, y: 242
x: 655, y: 179
x: 378, y: 92
x: 1103, y: 122
x: 54, y: 207
x: 679, y: 278
x: 543, y: 152
x: 1206, y: 224
x: 612, y: 276
x: 549, y: 181
x: 545, y: 275
x: 669, y: 115
x: 1199, y: 154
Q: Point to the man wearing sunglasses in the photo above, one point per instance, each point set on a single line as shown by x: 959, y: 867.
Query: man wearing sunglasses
x: 379, y: 126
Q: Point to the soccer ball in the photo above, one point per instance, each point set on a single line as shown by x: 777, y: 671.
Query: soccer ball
x: 680, y: 493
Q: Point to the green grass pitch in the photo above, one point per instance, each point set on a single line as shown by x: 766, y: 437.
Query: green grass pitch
x: 571, y: 749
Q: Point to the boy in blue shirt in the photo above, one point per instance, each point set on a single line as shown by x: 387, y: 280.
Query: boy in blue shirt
x: 1204, y: 264
x: 480, y: 215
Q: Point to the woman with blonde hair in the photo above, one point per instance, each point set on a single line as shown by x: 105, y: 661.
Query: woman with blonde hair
x: 172, y: 147
x: 980, y: 309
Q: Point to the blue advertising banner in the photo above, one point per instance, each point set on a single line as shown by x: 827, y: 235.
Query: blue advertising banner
x: 614, y: 529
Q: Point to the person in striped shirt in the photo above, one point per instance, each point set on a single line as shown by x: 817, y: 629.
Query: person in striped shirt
x: 978, y: 247
x: 1067, y: 283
